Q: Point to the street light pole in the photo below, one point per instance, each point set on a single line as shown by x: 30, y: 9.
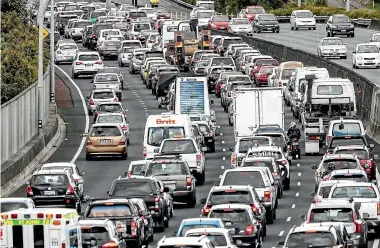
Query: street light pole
x: 52, y: 69
x: 347, y: 5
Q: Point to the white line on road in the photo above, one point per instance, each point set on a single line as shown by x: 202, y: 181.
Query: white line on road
x: 80, y: 148
x: 294, y: 205
x: 289, y: 218
x: 222, y: 167
x: 299, y: 183
x: 281, y: 233
x: 221, y: 134
x: 299, y: 174
x: 224, y: 158
x: 298, y: 165
x: 376, y: 243
x: 224, y: 150
x: 222, y: 141
x: 297, y: 194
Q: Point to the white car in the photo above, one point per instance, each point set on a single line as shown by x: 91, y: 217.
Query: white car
x: 204, y: 16
x: 108, y: 81
x: 98, y: 96
x: 73, y: 168
x: 366, y: 55
x: 220, y: 237
x: 65, y: 52
x: 77, y: 28
x: 332, y: 47
x: 86, y: 63
x: 115, y: 37
x: 136, y: 28
x: 240, y: 26
x: 375, y: 39
x: 150, y: 41
x: 135, y: 168
x: 302, y: 19
x: 106, y: 32
x: 14, y: 203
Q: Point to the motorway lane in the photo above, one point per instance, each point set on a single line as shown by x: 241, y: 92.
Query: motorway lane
x: 307, y: 40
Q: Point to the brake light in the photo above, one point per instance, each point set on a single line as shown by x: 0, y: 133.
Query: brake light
x: 284, y: 162
x: 92, y: 101
x: 76, y: 181
x: 358, y: 227
x: 122, y: 141
x: 249, y: 230
x: 199, y: 159
x: 133, y: 229
x: 254, y: 208
x: 63, y: 245
x: 233, y: 159
x: 78, y: 63
x: 267, y: 196
x: 129, y: 174
x: 110, y: 245
x: 70, y: 190
x: 89, y: 143
x: 99, y: 62
x: 144, y: 152
x: 157, y: 199
x: 188, y: 181
x: 325, y: 178
x: 116, y: 99
x: 206, y: 210
x: 124, y: 127
x: 94, y: 36
x: 378, y: 209
x: 29, y: 190
x: 14, y: 216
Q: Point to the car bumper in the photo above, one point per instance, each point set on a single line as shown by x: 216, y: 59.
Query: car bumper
x: 305, y: 25
x: 108, y: 53
x: 86, y: 70
x: 334, y: 54
x: 76, y: 36
x: 65, y: 200
x: 182, y: 196
x: 125, y: 61
x: 367, y: 63
x: 64, y: 58
x: 343, y: 31
x: 245, y: 239
x: 268, y: 28
x: 106, y: 150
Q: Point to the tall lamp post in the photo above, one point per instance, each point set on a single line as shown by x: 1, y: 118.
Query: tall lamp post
x: 52, y: 42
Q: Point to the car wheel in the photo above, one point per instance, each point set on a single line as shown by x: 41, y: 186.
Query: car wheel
x: 295, y: 27
x: 286, y: 184
x: 212, y: 148
x: 124, y: 156
x: 269, y: 216
x: 74, y: 75
x: 291, y: 28
x: 353, y: 35
x: 201, y: 179
x: 88, y: 157
x: 191, y: 201
x: 314, y: 28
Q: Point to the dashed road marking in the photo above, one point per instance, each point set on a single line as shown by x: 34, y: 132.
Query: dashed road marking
x: 288, y: 219
x: 224, y: 150
x: 222, y: 167
x: 221, y: 134
x: 298, y: 165
x: 294, y: 205
x: 299, y: 174
x: 297, y: 194
x: 281, y: 233
x: 224, y: 158
x: 299, y: 183
x: 222, y: 141
x: 376, y: 243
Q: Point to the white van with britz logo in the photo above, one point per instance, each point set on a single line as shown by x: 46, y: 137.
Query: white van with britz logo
x: 165, y: 126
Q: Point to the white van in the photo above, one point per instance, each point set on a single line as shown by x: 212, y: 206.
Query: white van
x: 302, y: 19
x: 165, y: 126
x: 39, y: 227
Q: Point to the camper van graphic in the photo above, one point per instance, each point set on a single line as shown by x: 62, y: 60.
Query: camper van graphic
x: 192, y: 97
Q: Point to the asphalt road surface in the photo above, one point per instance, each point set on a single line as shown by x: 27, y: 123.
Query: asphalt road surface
x: 140, y: 103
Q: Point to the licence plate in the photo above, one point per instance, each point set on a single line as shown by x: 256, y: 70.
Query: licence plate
x: 49, y: 192
x: 105, y: 141
x: 343, y: 30
x: 88, y: 64
x: 121, y: 227
x: 209, y: 140
x: 113, y: 53
x: 269, y: 28
x: 171, y: 186
x: 69, y: 58
x: 222, y: 28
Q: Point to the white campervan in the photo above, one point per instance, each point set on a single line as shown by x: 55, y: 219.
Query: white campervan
x: 165, y: 126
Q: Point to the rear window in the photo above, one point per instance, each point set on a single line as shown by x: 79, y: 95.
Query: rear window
x: 102, y: 95
x: 9, y: 206
x: 97, y: 14
x: 110, y: 119
x: 178, y: 146
x: 139, y: 27
x: 272, y: 154
x: 113, y: 43
x: 356, y: 178
x: 252, y: 178
x: 216, y: 239
x: 132, y: 45
x: 286, y: 74
x: 347, y: 142
x: 109, y: 108
x: 96, y: 234
x: 354, y: 191
x: 277, y: 139
x: 204, y: 128
x: 315, y: 239
x: 245, y: 144
x: 105, y: 131
x: 88, y: 57
x: 227, y: 42
x: 220, y: 19
x: 101, y: 211
x: 259, y: 163
x: 340, y: 164
x: 330, y: 90
x: 238, y: 79
x: 106, y: 78
x: 266, y: 70
x: 331, y: 215
x: 230, y: 215
x: 137, y: 14
x: 59, y: 168
x: 267, y: 62
x: 222, y: 61
x: 325, y: 191
x: 132, y: 188
x: 361, y: 153
x: 110, y: 32
x: 81, y: 24
x: 137, y: 168
x: 194, y: 226
x: 348, y: 129
x: 50, y: 180
x: 230, y: 196
x: 166, y: 169
x: 68, y: 47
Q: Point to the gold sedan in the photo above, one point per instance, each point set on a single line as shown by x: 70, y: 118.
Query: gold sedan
x: 106, y: 139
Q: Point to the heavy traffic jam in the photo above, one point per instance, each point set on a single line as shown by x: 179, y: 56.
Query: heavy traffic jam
x: 189, y: 70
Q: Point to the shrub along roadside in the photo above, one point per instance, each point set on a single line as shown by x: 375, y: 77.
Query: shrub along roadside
x: 19, y: 55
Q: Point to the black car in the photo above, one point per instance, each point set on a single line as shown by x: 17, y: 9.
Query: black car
x: 339, y: 25
x: 123, y: 213
x: 266, y: 22
x: 146, y: 218
x: 54, y: 187
x: 146, y: 189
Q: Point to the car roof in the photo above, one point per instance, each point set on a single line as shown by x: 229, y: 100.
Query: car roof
x: 136, y: 162
x: 110, y: 103
x: 351, y: 147
x: 97, y: 222
x: 265, y: 148
x: 231, y: 187
x: 233, y: 205
x: 49, y: 172
x: 105, y: 124
x: 245, y: 169
x: 249, y: 159
x: 88, y: 53
x: 183, y: 241
x: 59, y: 164
x: 102, y: 90
x: 106, y: 73
x: 111, y: 200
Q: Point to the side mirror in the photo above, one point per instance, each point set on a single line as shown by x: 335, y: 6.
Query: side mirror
x: 174, y: 234
x: 314, y: 166
x: 312, y: 194
x: 88, y: 97
x: 125, y: 173
x: 203, y: 201
x: 280, y: 244
x: 82, y: 173
x: 353, y: 52
x: 166, y: 189
x: 302, y: 216
x: 217, y: 183
x: 371, y: 146
x: 231, y: 149
x: 156, y: 150
x: 365, y: 215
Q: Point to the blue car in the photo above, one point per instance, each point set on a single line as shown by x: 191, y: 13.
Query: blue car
x: 192, y: 223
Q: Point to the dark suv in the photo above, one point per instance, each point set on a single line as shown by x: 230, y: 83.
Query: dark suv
x: 54, y: 187
x: 339, y: 25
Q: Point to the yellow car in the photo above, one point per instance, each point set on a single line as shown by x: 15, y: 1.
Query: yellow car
x: 154, y: 3
x: 149, y: 64
x: 106, y: 139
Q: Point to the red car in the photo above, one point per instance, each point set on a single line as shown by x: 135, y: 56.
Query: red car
x: 260, y: 63
x: 261, y: 78
x: 251, y: 11
x: 218, y: 22
x: 158, y: 23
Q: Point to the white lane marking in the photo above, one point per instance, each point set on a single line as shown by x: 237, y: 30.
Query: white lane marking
x: 222, y: 167
x: 222, y: 141
x: 224, y: 150
x: 288, y: 219
x: 80, y: 148
x: 224, y: 158
x: 281, y: 233
x: 294, y: 205
x: 297, y: 194
x: 299, y: 174
x: 298, y: 165
x: 221, y: 134
x: 299, y: 183
x: 376, y: 243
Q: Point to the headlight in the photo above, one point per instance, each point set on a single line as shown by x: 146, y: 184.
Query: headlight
x: 332, y: 26
x: 325, y: 50
x: 378, y: 57
x: 360, y: 57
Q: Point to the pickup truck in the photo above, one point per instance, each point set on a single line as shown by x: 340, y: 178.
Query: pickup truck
x: 257, y: 178
x: 366, y: 197
x: 123, y: 213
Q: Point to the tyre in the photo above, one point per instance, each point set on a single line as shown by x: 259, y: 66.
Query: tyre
x: 201, y: 179
x: 191, y: 201
x: 166, y: 223
x: 314, y: 28
x: 88, y: 157
x: 286, y: 184
x: 269, y: 216
x: 124, y: 156
x: 161, y: 225
x: 291, y: 28
x: 353, y: 35
x: 74, y: 75
x: 332, y: 34
x: 296, y: 28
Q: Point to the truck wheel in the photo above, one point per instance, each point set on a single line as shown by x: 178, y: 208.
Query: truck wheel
x: 269, y: 216
x: 201, y: 179
x: 191, y: 201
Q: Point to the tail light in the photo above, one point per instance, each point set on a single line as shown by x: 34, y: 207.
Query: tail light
x: 94, y: 36
x: 329, y: 138
x: 284, y: 162
x: 133, y: 229
x: 116, y: 99
x: 110, y: 245
x: 188, y: 181
x: 144, y: 152
x: 234, y: 159
x: 129, y: 174
x: 206, y: 210
x: 79, y: 63
x: 29, y: 191
x: 124, y: 127
x: 249, y: 230
x: 92, y: 101
x: 89, y: 143
x: 289, y: 147
x: 358, y: 227
x: 63, y: 245
x: 325, y: 178
x: 59, y: 52
x: 99, y: 62
x: 70, y: 190
x: 378, y: 209
x: 267, y: 196
x: 254, y: 208
x: 156, y: 202
x: 76, y: 181
x: 199, y: 159
x: 122, y: 141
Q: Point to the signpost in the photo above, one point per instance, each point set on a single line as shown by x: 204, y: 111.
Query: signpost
x: 45, y: 33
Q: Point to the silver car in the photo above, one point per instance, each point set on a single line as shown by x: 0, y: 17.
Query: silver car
x: 332, y: 47
x: 240, y: 26
x: 98, y: 96
x: 108, y: 81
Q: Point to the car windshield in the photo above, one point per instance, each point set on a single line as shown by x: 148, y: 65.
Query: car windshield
x: 101, y: 211
x: 157, y: 134
x: 240, y: 21
x: 97, y: 14
x: 137, y: 14
x: 132, y: 188
x: 341, y: 19
x: 184, y: 146
x: 106, y: 78
x: 277, y: 139
x: 340, y: 164
x: 227, y: 42
x: 81, y: 24
x: 50, y: 180
x: 189, y: 226
x: 255, y: 10
x: 347, y: 142
x: 137, y: 169
x: 361, y: 153
x: 220, y: 19
x: 105, y: 131
x: 230, y: 196
x: 68, y: 47
x: 332, y: 42
x: 111, y: 108
x: 239, y: 79
x: 276, y: 155
x: 204, y: 14
x: 350, y: 177
x: 368, y: 49
x: 166, y: 168
x: 131, y: 45
x: 206, y: 5
x: 222, y: 61
x: 9, y: 206
x: 330, y: 90
x: 314, y: 239
x: 102, y: 95
x: 325, y: 191
x: 69, y: 168
x: 252, y: 178
x: 260, y: 163
x: 245, y: 144
x: 230, y: 216
x: 88, y: 57
x: 354, y: 192
x: 266, y: 70
x: 267, y: 18
x: 142, y: 26
x: 304, y: 14
x: 318, y: 215
x: 96, y: 234
x: 216, y: 239
x: 109, y: 119
x: 286, y: 74
x: 347, y: 129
